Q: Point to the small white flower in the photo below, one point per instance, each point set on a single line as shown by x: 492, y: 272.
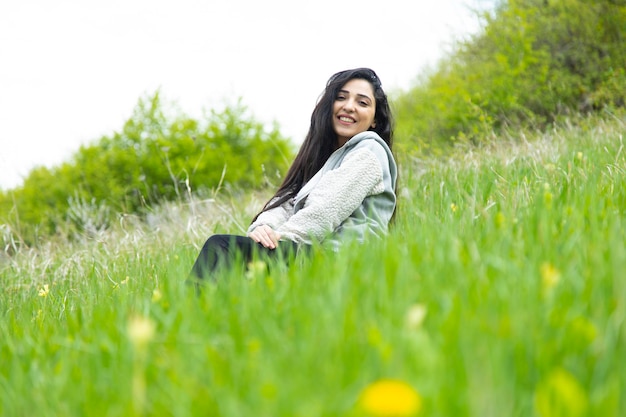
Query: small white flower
x: 44, y: 291
x: 140, y: 331
x: 415, y: 316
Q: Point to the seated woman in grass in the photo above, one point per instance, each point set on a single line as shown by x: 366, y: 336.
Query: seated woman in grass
x: 340, y: 186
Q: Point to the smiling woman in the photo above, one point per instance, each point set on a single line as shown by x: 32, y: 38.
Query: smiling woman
x: 341, y: 185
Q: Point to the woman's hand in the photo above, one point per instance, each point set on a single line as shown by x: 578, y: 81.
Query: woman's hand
x: 265, y: 235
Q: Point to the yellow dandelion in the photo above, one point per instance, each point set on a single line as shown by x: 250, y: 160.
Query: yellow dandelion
x: 44, y: 291
x: 454, y: 207
x: 550, y: 276
x: 390, y: 398
x: 140, y: 331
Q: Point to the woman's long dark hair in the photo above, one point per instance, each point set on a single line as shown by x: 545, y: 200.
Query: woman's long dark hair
x: 321, y: 140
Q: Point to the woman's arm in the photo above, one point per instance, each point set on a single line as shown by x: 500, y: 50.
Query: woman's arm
x: 337, y: 195
x: 274, y: 217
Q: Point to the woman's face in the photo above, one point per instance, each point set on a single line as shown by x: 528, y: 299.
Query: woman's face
x: 354, y: 109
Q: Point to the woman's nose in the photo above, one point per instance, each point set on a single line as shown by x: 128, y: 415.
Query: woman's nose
x: 348, y: 105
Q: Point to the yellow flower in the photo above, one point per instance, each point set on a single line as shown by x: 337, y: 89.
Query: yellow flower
x: 156, y: 295
x: 140, y: 331
x: 560, y: 394
x: 43, y: 292
x: 453, y: 207
x: 550, y: 276
x: 500, y: 219
x: 256, y: 269
x: 390, y: 398
x: 547, y: 198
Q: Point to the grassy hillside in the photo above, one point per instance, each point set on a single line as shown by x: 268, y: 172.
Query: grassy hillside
x: 500, y: 292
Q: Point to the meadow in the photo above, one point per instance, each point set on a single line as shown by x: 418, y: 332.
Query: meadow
x: 500, y: 291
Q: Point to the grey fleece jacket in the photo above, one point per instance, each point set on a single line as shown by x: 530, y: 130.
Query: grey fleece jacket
x: 352, y: 195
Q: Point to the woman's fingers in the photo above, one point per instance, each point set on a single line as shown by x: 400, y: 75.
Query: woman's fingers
x: 271, y: 233
x: 266, y: 236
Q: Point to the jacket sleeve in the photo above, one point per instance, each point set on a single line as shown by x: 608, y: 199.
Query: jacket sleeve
x: 274, y: 217
x: 337, y: 195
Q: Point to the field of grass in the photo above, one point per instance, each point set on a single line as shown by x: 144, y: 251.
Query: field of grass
x: 501, y: 291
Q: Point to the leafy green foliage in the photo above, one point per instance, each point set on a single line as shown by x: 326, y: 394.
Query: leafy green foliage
x: 534, y: 61
x: 155, y: 157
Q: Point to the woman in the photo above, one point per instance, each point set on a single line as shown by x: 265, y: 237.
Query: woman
x: 340, y: 186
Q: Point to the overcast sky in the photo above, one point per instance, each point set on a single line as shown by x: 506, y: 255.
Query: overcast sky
x: 72, y: 71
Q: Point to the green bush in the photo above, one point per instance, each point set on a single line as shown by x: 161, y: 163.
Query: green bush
x: 159, y: 154
x: 533, y: 62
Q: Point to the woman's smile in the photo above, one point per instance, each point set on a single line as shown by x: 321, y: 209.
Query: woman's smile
x: 346, y: 119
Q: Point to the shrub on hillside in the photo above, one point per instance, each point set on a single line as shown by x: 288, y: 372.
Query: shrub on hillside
x: 534, y: 61
x: 154, y: 157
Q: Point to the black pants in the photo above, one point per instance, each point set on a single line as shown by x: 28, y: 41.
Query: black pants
x: 222, y: 250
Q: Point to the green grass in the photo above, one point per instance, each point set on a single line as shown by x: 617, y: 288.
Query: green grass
x: 516, y: 255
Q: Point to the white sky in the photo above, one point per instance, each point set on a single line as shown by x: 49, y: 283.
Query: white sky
x: 72, y: 71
